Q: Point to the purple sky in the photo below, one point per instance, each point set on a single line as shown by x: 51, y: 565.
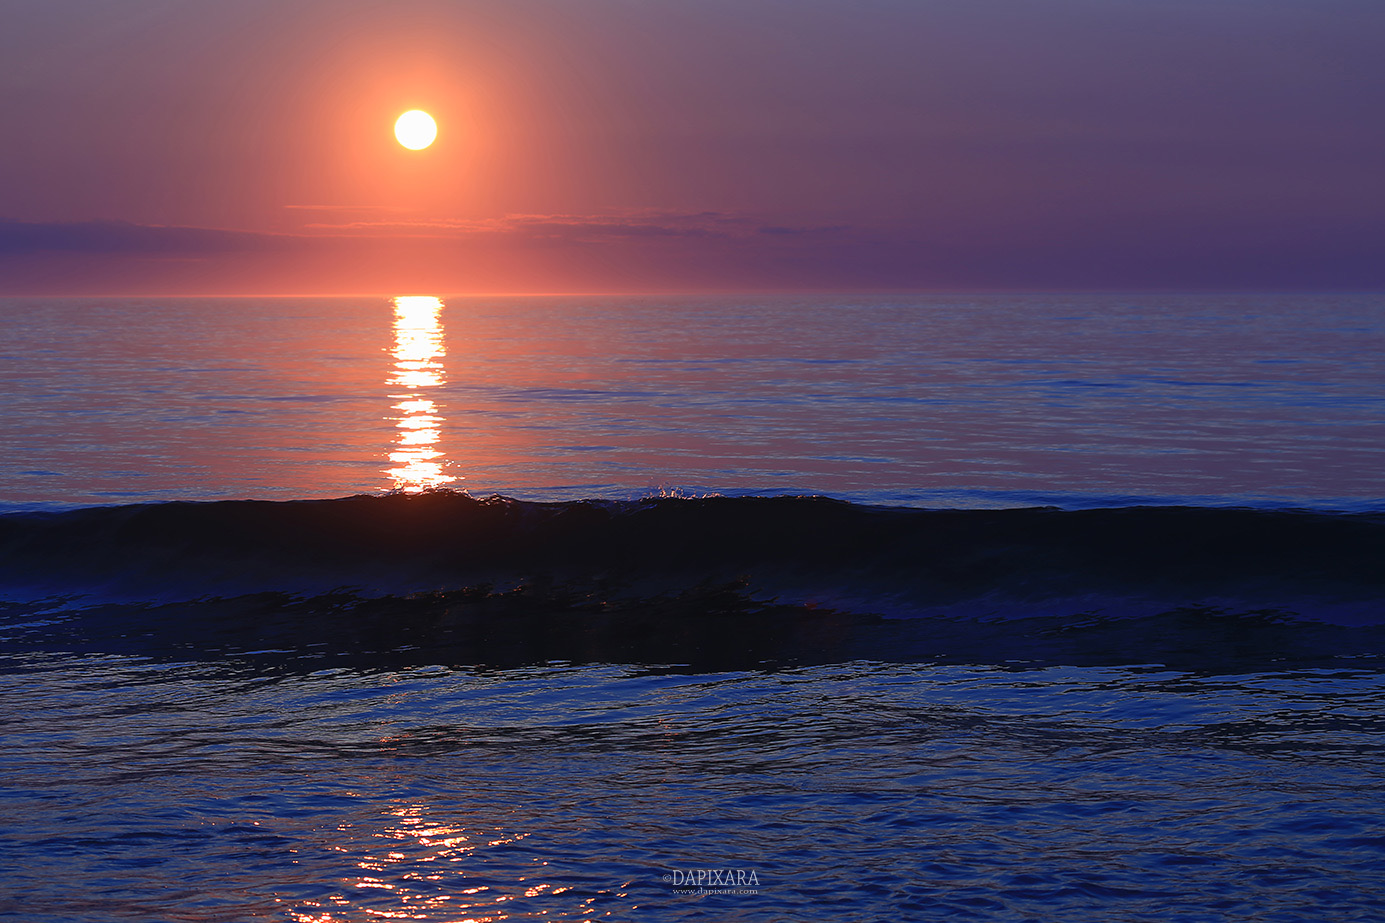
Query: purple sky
x: 246, y: 146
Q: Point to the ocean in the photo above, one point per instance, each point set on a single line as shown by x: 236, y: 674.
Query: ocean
x: 995, y: 607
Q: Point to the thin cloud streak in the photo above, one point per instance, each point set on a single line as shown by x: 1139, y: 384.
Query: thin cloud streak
x: 127, y: 237
x: 344, y: 208
x: 583, y: 228
x: 694, y: 251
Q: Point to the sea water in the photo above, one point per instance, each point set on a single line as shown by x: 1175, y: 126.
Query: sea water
x: 1091, y: 400
x: 636, y: 691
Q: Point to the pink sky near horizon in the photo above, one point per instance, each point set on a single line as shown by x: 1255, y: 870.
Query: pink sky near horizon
x: 158, y: 146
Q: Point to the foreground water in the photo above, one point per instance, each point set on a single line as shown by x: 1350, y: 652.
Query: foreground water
x: 433, y: 707
x: 429, y: 706
x: 259, y: 786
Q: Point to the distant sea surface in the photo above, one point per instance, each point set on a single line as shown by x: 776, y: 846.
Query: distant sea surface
x: 1091, y: 400
x: 723, y: 608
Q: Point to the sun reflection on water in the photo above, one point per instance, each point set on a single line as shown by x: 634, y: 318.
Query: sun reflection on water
x: 418, y: 866
x: 417, y: 463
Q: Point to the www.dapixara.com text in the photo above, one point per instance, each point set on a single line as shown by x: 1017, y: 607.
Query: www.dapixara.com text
x: 713, y: 881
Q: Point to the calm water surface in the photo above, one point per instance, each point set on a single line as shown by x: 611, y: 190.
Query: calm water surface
x: 996, y: 401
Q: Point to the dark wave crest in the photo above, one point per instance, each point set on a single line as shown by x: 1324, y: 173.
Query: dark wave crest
x: 663, y: 578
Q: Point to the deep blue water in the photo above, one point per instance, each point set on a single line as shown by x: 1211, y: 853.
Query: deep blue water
x: 1160, y: 698
x: 246, y: 789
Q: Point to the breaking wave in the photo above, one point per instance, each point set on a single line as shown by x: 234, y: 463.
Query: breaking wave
x: 679, y: 580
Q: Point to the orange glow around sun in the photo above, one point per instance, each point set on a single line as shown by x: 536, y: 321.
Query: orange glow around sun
x: 415, y: 129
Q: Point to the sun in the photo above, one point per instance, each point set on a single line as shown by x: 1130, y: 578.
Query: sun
x: 415, y: 129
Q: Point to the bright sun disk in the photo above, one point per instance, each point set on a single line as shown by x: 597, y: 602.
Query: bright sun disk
x: 415, y: 129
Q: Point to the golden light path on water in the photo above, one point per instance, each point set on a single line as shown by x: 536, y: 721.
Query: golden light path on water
x: 410, y: 869
x: 417, y: 463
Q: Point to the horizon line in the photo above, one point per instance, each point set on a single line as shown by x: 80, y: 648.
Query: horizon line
x: 749, y: 290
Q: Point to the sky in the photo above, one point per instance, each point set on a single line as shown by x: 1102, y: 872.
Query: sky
x: 195, y: 147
